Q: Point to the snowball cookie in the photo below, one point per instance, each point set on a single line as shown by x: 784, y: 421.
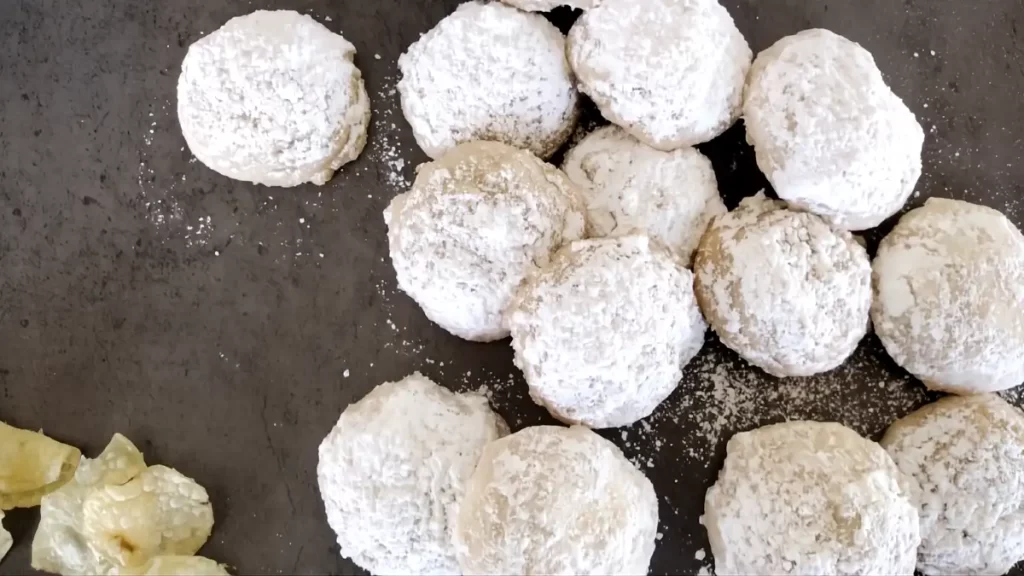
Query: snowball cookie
x: 553, y: 500
x: 828, y: 133
x: 810, y: 498
x: 489, y: 72
x: 475, y: 222
x: 546, y: 5
x: 630, y: 187
x: 966, y: 454
x: 603, y: 332
x: 786, y: 291
x: 668, y: 71
x: 393, y: 471
x: 949, y: 297
x: 273, y: 98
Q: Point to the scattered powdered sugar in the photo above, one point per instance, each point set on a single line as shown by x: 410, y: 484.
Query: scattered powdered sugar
x: 489, y: 72
x: 720, y: 394
x: 630, y: 187
x: 670, y: 72
x: 386, y: 152
x: 784, y: 289
x: 965, y: 454
x: 949, y: 303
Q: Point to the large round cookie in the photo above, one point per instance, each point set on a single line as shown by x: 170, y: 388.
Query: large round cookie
x: 810, y: 498
x: 273, y: 97
x: 949, y: 297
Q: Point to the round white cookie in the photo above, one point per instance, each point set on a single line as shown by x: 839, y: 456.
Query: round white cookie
x: 393, y: 471
x: 829, y: 134
x: 949, y: 297
x: 810, y: 498
x: 966, y: 454
x: 547, y: 5
x: 603, y: 332
x: 553, y: 500
x: 273, y: 98
x: 489, y: 72
x: 630, y: 187
x: 474, y: 224
x: 670, y: 72
x: 786, y: 291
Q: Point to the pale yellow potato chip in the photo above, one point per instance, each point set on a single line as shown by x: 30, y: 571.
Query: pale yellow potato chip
x: 176, y: 566
x: 59, y: 545
x: 5, y: 538
x: 119, y: 514
x: 159, y: 512
x: 31, y: 466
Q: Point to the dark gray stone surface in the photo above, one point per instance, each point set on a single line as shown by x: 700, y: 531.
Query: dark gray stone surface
x: 142, y: 293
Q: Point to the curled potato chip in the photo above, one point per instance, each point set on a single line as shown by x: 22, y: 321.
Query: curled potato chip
x: 59, y: 545
x: 31, y: 466
x: 175, y: 566
x: 5, y: 538
x: 118, y: 515
x: 159, y: 512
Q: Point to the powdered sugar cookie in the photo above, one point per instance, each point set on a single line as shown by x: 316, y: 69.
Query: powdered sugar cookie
x: 553, y: 500
x: 473, y: 225
x: 546, y: 5
x: 810, y: 498
x: 670, y: 72
x: 489, y: 72
x: 829, y: 134
x: 630, y: 187
x: 949, y: 297
x: 783, y: 289
x: 393, y: 470
x: 966, y: 455
x: 603, y: 332
x: 273, y: 98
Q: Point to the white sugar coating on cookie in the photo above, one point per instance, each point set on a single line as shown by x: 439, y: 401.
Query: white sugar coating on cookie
x: 949, y: 297
x: 273, y: 97
x: 630, y: 187
x: 670, y: 72
x: 810, y: 498
x: 829, y: 134
x: 966, y: 455
x: 489, y: 72
x: 474, y: 224
x: 547, y: 5
x: 393, y: 471
x: 784, y: 289
x: 554, y: 500
x: 603, y: 332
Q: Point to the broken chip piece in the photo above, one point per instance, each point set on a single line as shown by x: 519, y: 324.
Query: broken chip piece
x: 31, y: 466
x: 117, y: 514
x: 175, y: 566
x: 5, y: 538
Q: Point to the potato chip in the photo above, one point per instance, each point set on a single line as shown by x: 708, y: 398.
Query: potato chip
x: 59, y: 545
x: 159, y: 512
x: 5, y: 538
x: 118, y: 514
x: 31, y: 466
x: 175, y: 566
